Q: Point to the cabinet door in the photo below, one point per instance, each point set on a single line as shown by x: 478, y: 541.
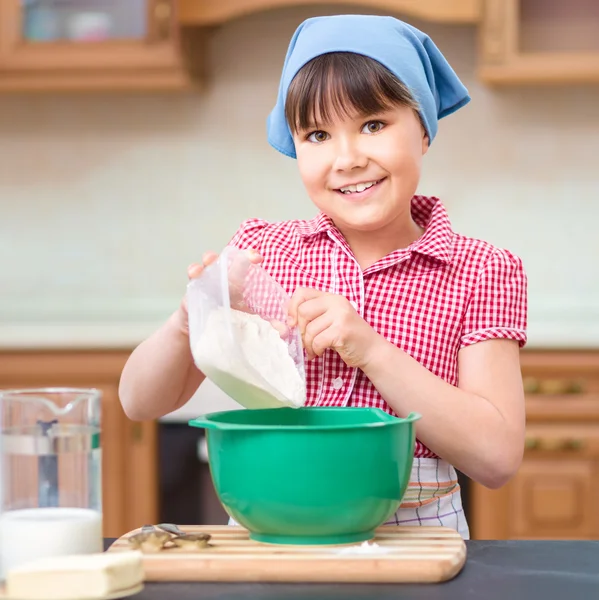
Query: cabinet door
x: 554, y: 500
x: 92, y: 43
x: 129, y: 468
x: 554, y: 493
x: 129, y: 450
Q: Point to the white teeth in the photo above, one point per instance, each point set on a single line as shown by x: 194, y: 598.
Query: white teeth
x: 350, y: 189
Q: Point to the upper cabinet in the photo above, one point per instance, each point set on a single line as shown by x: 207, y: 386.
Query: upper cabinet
x: 520, y: 41
x: 159, y: 44
x: 214, y: 12
x: 90, y: 44
x: 539, y: 41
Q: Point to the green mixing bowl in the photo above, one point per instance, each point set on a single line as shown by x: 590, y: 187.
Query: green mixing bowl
x: 309, y: 475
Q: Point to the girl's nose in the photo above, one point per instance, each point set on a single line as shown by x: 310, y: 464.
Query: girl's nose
x: 349, y: 156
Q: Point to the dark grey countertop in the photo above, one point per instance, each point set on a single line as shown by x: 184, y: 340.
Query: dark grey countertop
x: 494, y: 570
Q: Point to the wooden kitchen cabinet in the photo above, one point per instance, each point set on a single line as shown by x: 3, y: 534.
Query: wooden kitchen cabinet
x: 129, y: 449
x: 216, y: 12
x: 554, y: 493
x: 90, y: 45
x: 539, y: 42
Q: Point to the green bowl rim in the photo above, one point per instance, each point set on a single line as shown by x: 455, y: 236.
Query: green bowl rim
x: 207, y: 421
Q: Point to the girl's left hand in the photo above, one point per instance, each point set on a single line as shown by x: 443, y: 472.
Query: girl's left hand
x: 330, y: 321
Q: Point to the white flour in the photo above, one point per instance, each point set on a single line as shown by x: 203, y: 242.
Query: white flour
x: 268, y: 380
x: 365, y: 548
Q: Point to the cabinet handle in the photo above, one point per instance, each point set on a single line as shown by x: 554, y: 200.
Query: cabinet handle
x: 554, y: 445
x: 532, y: 385
x: 531, y: 443
x: 162, y: 16
x: 575, y: 444
x: 137, y: 432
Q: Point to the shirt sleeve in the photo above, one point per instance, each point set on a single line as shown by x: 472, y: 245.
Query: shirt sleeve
x: 499, y: 304
x: 249, y: 235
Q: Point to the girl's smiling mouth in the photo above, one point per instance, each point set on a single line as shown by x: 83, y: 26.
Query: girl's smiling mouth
x: 359, y: 190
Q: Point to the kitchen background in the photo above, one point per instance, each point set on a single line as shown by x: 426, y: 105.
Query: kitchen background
x: 106, y: 196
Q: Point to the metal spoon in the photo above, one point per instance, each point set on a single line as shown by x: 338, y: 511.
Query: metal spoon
x: 183, y: 539
x: 149, y: 539
x: 169, y: 527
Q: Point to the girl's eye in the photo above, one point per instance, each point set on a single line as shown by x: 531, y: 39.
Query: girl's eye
x: 318, y: 136
x: 373, y: 127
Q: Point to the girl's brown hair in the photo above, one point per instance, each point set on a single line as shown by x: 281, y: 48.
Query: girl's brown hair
x: 342, y: 84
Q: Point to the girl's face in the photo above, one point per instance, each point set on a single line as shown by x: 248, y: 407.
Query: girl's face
x: 363, y: 172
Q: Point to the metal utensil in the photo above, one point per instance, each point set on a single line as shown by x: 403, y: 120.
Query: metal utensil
x: 149, y: 539
x: 192, y: 540
x: 153, y: 538
x: 184, y: 539
x: 170, y: 528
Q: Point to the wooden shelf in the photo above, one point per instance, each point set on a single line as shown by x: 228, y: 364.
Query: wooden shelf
x: 151, y: 62
x: 540, y: 42
x: 521, y: 42
x: 215, y: 12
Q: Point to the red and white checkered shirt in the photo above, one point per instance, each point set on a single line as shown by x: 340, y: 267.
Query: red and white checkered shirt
x: 441, y: 293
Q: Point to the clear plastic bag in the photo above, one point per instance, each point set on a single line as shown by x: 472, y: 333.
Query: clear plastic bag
x: 239, y: 335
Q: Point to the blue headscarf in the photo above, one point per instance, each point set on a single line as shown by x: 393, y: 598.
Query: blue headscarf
x: 407, y: 52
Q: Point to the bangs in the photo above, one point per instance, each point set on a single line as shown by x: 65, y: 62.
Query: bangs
x: 342, y: 85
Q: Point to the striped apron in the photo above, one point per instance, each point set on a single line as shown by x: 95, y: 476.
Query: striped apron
x: 433, y: 497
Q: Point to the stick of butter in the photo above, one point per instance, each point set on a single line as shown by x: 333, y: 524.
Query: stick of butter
x: 77, y: 576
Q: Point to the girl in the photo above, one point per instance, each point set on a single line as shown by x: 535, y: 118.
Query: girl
x: 396, y: 310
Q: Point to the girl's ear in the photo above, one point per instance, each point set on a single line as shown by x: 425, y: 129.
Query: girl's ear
x: 425, y: 144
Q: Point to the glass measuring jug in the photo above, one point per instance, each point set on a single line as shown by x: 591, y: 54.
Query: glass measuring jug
x: 50, y: 474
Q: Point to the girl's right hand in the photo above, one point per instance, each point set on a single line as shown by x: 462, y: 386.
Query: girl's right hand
x: 195, y: 270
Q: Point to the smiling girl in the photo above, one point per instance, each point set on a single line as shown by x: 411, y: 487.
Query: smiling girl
x: 396, y: 310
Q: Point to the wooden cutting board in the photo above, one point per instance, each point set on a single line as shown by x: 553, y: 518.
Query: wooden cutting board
x: 404, y: 554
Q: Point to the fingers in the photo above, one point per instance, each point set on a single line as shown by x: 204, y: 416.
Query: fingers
x: 281, y: 328
x: 309, y: 312
x: 195, y: 270
x: 313, y: 339
x: 209, y: 258
x: 240, y: 264
x: 255, y: 256
x: 300, y: 296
